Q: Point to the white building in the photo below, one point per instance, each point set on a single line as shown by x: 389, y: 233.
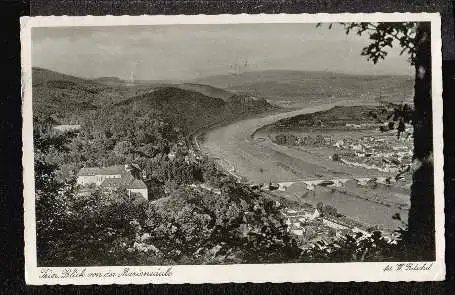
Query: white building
x: 67, y: 127
x: 113, y: 177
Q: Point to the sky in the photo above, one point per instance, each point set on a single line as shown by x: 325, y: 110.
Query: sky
x: 187, y: 52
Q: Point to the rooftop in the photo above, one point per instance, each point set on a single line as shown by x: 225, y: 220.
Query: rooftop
x: 127, y: 181
x: 111, y: 170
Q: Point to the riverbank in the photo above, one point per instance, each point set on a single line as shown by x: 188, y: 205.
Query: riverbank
x: 258, y: 160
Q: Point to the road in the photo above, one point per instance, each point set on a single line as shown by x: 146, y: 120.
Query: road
x: 261, y: 161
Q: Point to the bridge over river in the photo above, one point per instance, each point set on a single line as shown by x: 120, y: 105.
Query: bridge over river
x: 262, y: 161
x: 311, y: 183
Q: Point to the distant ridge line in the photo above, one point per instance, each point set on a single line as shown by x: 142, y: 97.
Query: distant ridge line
x: 197, y: 80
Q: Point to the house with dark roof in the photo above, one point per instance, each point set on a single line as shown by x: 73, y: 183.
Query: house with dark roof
x: 113, y: 177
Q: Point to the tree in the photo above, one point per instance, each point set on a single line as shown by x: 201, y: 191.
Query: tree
x: 421, y: 226
x: 123, y: 147
x: 415, y: 41
x: 51, y: 194
x: 320, y: 207
x: 330, y: 210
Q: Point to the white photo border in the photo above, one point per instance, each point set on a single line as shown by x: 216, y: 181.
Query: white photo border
x: 240, y: 273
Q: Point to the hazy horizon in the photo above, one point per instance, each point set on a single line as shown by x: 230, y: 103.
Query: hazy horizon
x: 202, y: 78
x: 190, y: 52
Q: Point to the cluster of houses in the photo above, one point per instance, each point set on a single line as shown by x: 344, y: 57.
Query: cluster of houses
x: 307, y: 140
x: 113, y: 177
x: 374, y: 153
x: 305, y: 223
x: 318, y: 140
x: 299, y: 221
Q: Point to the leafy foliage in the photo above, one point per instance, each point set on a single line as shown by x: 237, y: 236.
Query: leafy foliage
x: 415, y: 40
x: 179, y: 224
x: 392, y: 113
x: 187, y: 226
x: 384, y: 35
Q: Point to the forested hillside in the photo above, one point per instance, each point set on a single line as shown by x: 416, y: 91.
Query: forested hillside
x: 190, y: 110
x: 339, y: 116
x: 195, y: 213
x: 65, y: 98
x: 118, y: 126
x: 181, y: 223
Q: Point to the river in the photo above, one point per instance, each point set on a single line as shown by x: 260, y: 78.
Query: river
x: 261, y: 161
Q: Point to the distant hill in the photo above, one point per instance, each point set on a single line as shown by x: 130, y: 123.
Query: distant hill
x: 65, y: 98
x: 41, y: 76
x: 201, y: 88
x: 191, y: 109
x: 283, y: 86
x: 186, y: 109
x: 62, y: 95
x: 57, y: 93
x: 206, y: 90
x: 108, y: 80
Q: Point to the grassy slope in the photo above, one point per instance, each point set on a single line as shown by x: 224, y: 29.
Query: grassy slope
x: 279, y: 85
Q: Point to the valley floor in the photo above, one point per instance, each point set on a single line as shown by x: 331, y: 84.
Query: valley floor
x: 254, y: 157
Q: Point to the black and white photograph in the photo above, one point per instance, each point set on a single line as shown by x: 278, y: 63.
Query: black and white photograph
x: 199, y: 147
